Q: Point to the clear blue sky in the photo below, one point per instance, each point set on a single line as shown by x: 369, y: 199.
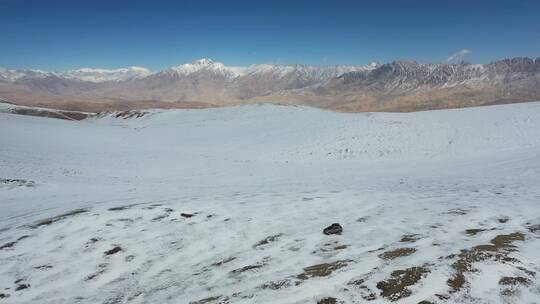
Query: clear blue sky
x: 58, y: 35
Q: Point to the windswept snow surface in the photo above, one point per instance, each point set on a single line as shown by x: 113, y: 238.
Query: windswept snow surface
x: 92, y: 210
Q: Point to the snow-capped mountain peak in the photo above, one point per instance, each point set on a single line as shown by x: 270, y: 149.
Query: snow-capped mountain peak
x: 316, y: 72
x: 102, y: 75
x: 14, y: 75
x: 205, y: 61
x: 205, y: 64
x: 98, y: 75
x: 275, y: 70
x: 10, y: 75
x: 373, y: 65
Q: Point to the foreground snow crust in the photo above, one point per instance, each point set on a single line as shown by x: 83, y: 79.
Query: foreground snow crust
x: 261, y: 183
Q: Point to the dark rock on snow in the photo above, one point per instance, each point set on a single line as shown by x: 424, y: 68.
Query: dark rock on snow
x: 113, y: 251
x: 335, y: 228
x: 22, y: 286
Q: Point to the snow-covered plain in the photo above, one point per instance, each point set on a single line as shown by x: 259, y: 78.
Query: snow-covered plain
x: 439, y: 206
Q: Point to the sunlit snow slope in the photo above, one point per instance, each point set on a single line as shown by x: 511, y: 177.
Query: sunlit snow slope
x: 228, y: 206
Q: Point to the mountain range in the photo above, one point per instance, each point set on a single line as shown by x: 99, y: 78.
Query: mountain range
x: 394, y: 86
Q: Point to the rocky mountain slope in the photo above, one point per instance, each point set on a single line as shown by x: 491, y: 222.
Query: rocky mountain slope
x: 395, y: 86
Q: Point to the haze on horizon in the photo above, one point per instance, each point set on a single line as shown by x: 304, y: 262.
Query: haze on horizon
x: 63, y: 35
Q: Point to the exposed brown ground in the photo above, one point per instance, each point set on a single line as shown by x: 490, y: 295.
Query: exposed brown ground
x: 366, y: 101
x: 100, y: 105
x: 87, y: 104
x: 67, y: 115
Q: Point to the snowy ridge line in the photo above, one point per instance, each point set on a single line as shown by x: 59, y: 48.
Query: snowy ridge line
x: 98, y: 75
